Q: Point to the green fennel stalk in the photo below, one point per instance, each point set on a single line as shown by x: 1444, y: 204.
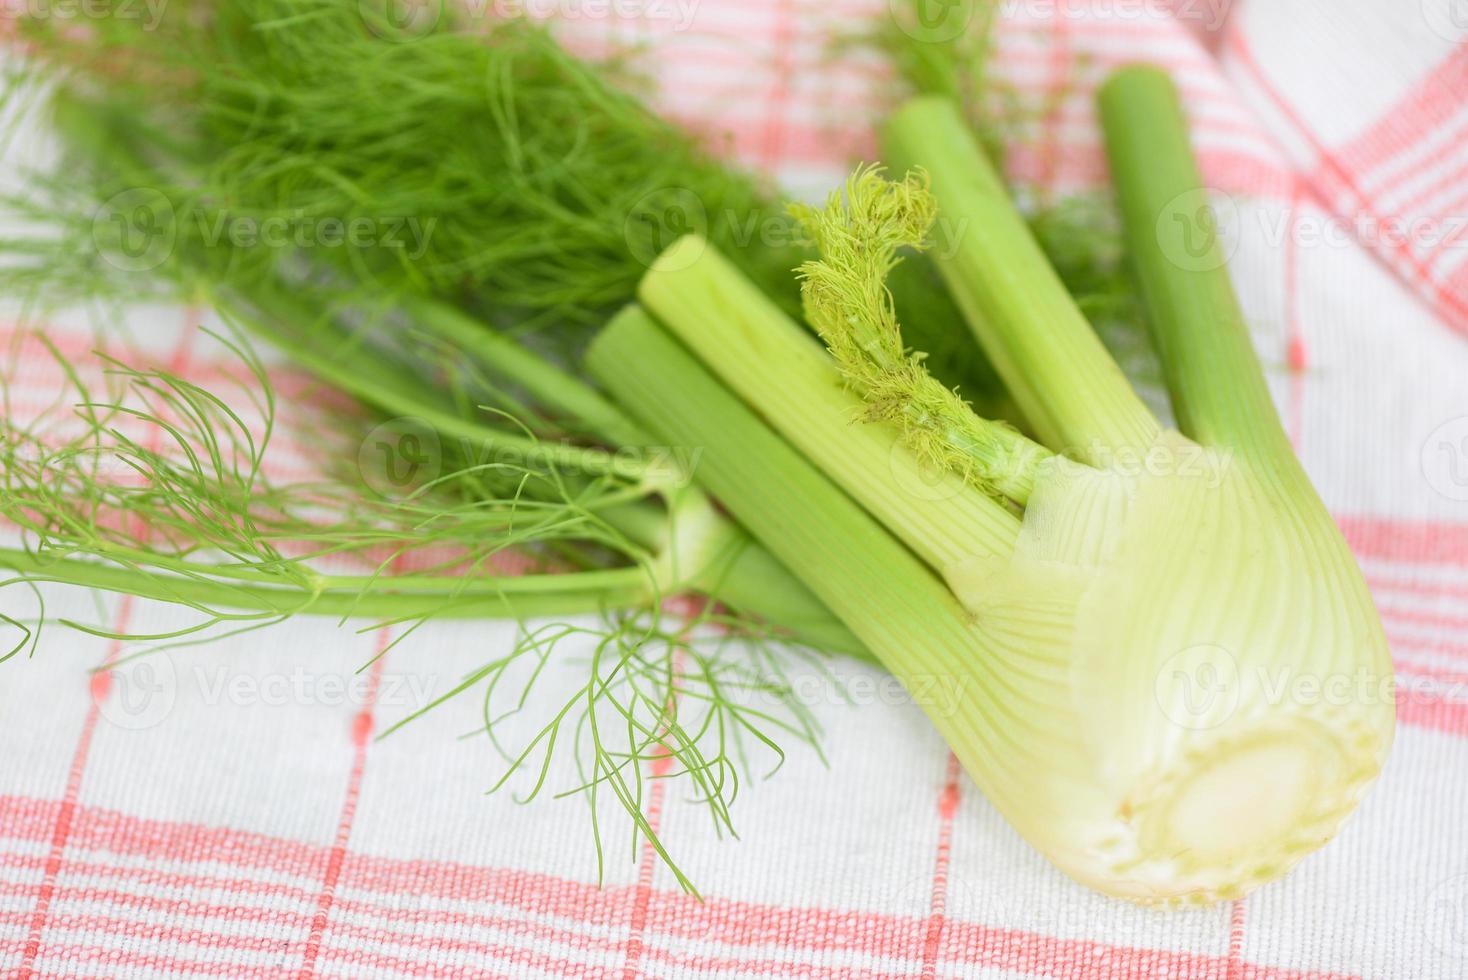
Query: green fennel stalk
x: 1051, y: 360
x: 1142, y: 669
x: 1218, y: 390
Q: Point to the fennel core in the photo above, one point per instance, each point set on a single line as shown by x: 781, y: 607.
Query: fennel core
x: 1119, y: 643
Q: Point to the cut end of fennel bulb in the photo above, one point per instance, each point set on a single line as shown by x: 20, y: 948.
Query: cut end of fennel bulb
x: 1247, y: 806
x: 1237, y: 811
x: 1184, y: 684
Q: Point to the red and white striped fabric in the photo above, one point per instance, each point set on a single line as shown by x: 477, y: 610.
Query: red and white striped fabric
x: 225, y: 812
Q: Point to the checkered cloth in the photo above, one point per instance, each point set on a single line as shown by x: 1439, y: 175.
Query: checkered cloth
x: 226, y: 811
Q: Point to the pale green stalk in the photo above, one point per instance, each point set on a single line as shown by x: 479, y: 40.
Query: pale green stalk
x: 748, y: 579
x: 859, y: 570
x: 547, y: 384
x: 400, y: 598
x: 767, y: 358
x: 1218, y: 390
x: 1060, y: 374
x: 275, y: 313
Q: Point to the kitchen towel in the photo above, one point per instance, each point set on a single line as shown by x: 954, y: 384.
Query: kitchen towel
x: 226, y: 811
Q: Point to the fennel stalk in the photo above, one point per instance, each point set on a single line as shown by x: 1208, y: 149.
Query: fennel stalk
x: 1173, y: 680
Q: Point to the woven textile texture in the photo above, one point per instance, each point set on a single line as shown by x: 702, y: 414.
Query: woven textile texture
x: 226, y: 812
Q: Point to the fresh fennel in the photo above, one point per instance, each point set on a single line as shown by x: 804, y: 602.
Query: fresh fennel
x: 536, y: 173
x: 1143, y: 556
